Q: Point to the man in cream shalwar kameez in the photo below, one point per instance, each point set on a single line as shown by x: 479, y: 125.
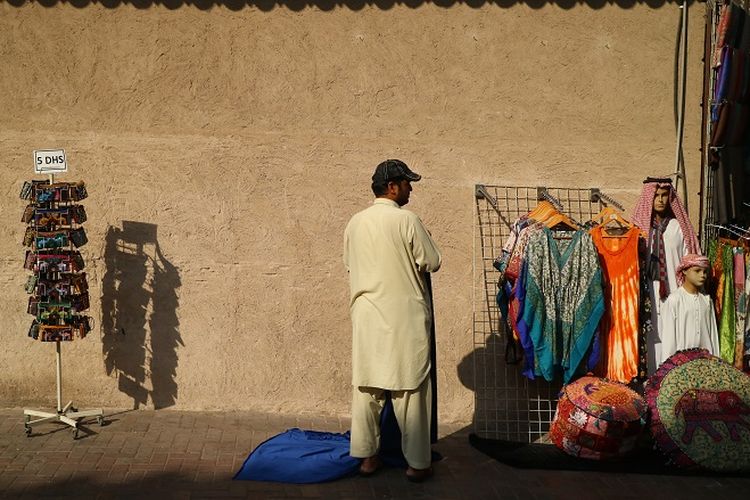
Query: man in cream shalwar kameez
x: 387, y: 251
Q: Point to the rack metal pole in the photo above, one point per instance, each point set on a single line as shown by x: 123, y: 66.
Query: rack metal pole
x: 680, y: 165
x: 59, y: 377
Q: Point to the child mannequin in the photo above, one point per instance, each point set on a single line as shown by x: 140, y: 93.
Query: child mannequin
x: 687, y: 317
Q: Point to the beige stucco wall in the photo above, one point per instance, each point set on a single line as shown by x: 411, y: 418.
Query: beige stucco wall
x: 241, y: 142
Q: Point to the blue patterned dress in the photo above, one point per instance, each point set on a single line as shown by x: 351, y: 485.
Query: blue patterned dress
x: 564, y: 300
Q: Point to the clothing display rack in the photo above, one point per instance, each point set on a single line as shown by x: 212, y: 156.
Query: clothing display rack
x: 509, y: 406
x: 724, y: 193
x: 58, y: 289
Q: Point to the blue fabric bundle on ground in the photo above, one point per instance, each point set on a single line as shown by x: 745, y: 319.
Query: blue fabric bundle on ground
x: 298, y: 456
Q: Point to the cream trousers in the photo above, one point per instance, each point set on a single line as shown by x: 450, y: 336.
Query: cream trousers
x: 413, y: 410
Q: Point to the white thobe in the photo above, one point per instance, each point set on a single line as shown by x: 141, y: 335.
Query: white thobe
x: 675, y: 249
x: 687, y: 321
x: 387, y: 250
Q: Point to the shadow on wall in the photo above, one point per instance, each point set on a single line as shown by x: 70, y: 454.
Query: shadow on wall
x: 502, y: 395
x: 139, y: 315
x: 327, y: 5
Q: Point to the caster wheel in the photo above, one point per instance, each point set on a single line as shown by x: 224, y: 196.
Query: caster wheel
x: 75, y: 433
x: 100, y: 421
x: 27, y: 430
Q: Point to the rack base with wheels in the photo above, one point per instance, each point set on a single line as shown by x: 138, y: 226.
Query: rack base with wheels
x: 68, y: 414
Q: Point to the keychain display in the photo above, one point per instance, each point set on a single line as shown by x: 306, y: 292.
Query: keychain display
x: 58, y: 288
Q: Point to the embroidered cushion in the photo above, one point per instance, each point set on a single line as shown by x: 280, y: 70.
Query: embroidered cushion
x: 700, y: 412
x: 598, y: 419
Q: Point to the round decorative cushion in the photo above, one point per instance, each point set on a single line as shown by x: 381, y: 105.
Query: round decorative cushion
x: 700, y: 412
x: 598, y: 419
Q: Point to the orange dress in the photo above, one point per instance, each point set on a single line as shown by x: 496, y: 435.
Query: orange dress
x: 619, y: 326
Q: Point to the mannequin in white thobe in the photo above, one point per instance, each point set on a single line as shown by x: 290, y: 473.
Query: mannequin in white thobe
x: 687, y: 316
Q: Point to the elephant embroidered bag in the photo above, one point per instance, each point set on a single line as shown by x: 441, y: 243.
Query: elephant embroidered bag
x: 598, y: 419
x: 700, y: 412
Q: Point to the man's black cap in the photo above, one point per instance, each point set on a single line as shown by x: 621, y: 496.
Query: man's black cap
x: 391, y: 170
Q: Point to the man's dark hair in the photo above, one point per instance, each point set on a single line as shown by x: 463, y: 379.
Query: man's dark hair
x: 379, y: 188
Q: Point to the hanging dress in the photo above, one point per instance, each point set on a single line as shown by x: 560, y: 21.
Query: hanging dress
x: 619, y: 327
x: 727, y: 319
x: 740, y: 307
x: 715, y: 286
x: 563, y: 302
x: 645, y: 309
x: 518, y: 297
x: 746, y: 354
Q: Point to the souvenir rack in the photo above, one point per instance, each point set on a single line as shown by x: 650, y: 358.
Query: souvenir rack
x: 57, y: 286
x: 508, y: 406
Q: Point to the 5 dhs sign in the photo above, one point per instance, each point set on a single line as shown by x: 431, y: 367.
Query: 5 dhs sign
x: 50, y: 161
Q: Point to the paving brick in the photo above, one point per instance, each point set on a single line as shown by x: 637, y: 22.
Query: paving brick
x: 194, y: 455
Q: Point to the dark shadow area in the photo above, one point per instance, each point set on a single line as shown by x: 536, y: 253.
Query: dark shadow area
x: 506, y: 405
x: 355, y: 5
x: 465, y: 473
x: 140, y: 348
x: 645, y: 460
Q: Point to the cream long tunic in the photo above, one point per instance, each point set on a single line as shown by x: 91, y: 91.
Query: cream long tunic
x: 386, y: 251
x: 687, y: 321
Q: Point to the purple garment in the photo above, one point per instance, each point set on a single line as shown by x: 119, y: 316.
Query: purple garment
x: 739, y: 269
x: 521, y: 327
x: 595, y: 352
x: 722, y: 82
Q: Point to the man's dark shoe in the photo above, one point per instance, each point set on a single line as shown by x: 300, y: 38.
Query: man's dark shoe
x: 370, y: 466
x: 418, y: 475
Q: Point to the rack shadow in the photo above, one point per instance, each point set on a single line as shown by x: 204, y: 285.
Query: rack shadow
x: 139, y: 315
x: 506, y: 405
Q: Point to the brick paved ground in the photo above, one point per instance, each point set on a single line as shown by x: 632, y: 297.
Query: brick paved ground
x: 168, y: 454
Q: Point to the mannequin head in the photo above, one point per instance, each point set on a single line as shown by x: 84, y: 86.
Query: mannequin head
x: 661, y: 201
x: 695, y: 278
x: 692, y: 272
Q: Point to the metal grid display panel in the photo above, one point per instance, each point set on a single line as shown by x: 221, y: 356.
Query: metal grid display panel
x: 507, y: 405
x: 708, y: 232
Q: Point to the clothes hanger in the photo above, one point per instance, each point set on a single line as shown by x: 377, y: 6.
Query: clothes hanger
x: 608, y: 216
x: 560, y: 222
x: 729, y: 230
x: 549, y: 212
x: 743, y: 230
x: 542, y: 211
x: 744, y: 240
x: 551, y: 217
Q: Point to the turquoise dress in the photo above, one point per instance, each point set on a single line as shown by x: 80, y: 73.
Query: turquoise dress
x: 564, y: 300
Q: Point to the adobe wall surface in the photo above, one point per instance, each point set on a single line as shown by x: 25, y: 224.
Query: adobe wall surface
x: 225, y: 151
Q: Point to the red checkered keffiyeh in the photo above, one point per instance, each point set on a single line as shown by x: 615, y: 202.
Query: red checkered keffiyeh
x: 689, y: 261
x: 644, y: 211
x: 643, y: 217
